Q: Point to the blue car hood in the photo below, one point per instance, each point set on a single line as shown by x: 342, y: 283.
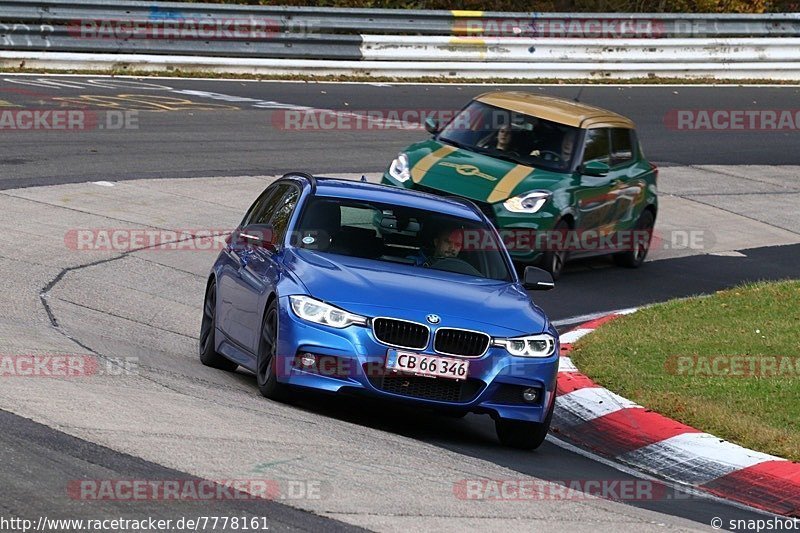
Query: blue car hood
x: 376, y: 288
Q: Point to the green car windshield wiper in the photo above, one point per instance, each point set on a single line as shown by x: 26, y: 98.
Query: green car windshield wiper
x: 452, y: 142
x: 510, y: 159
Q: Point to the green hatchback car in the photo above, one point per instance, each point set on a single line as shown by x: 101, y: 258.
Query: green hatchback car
x: 557, y: 178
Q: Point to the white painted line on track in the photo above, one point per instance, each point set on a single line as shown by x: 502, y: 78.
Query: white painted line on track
x: 573, y: 336
x: 565, y: 364
x: 593, y: 402
x: 733, y: 253
x: 592, y: 316
x: 698, y: 457
x: 641, y: 475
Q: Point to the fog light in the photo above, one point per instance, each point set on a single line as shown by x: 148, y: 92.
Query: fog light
x: 530, y: 395
x: 308, y: 359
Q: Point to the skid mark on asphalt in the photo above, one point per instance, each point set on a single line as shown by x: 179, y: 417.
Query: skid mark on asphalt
x: 125, y: 318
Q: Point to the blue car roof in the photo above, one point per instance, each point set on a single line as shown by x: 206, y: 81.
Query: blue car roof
x: 359, y: 190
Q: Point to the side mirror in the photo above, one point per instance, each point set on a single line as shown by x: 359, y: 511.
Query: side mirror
x: 595, y: 168
x: 256, y: 235
x: 432, y: 125
x: 536, y: 279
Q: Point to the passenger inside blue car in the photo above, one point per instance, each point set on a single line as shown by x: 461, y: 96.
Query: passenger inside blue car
x: 447, y: 243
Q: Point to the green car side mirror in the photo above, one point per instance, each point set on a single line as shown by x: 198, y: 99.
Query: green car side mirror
x: 595, y: 168
x: 432, y: 125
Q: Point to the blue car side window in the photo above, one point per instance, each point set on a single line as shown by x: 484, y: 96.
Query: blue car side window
x: 282, y: 213
x: 263, y: 208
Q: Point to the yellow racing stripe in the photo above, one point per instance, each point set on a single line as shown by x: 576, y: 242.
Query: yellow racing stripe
x: 422, y: 167
x: 508, y: 183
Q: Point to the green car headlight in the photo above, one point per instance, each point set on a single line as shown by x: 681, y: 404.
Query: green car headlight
x: 530, y: 202
x: 400, y: 169
x: 529, y: 346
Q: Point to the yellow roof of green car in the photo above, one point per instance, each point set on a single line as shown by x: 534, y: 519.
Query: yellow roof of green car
x: 558, y: 110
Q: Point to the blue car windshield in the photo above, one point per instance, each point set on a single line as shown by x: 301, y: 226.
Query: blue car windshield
x: 404, y: 235
x: 512, y: 136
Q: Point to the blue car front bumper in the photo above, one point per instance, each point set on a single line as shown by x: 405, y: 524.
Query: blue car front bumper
x: 352, y: 360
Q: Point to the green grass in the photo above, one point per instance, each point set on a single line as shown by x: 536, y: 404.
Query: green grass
x: 635, y: 356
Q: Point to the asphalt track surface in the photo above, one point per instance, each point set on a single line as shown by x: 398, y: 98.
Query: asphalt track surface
x: 36, y: 460
x: 243, y: 135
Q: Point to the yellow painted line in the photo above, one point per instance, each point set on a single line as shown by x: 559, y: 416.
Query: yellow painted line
x: 4, y: 103
x: 424, y: 165
x: 465, y: 22
x: 468, y: 41
x: 508, y: 182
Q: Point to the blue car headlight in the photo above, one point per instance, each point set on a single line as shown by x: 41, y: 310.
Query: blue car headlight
x: 542, y: 345
x: 319, y: 312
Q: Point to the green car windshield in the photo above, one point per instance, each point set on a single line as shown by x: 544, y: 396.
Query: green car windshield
x: 513, y: 136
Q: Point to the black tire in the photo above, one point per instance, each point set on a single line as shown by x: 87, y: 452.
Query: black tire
x: 208, y: 355
x: 522, y: 435
x: 553, y: 261
x: 266, y: 376
x: 640, y: 246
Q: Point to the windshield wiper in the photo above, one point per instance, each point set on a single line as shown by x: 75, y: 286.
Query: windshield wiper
x: 510, y: 159
x: 452, y: 142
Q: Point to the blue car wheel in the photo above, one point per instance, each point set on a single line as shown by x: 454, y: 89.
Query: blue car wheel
x: 522, y: 435
x: 266, y: 376
x: 208, y: 355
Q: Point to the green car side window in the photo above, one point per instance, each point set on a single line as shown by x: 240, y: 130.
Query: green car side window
x: 596, y: 147
x: 621, y: 146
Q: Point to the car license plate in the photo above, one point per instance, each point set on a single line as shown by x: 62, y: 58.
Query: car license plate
x: 427, y: 365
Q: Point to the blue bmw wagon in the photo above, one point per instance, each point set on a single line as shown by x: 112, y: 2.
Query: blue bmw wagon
x: 352, y: 287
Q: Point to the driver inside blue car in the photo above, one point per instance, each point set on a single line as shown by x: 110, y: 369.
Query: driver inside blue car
x: 446, y: 244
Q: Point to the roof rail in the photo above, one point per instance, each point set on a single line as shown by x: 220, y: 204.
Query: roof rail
x: 310, y: 177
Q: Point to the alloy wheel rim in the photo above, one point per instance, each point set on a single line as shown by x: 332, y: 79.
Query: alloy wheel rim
x: 208, y: 318
x: 268, y: 346
x: 642, y: 247
x: 558, y: 262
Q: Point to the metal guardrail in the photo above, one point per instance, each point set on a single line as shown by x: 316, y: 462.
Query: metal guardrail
x: 400, y: 21
x: 397, y: 48
x: 412, y: 41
